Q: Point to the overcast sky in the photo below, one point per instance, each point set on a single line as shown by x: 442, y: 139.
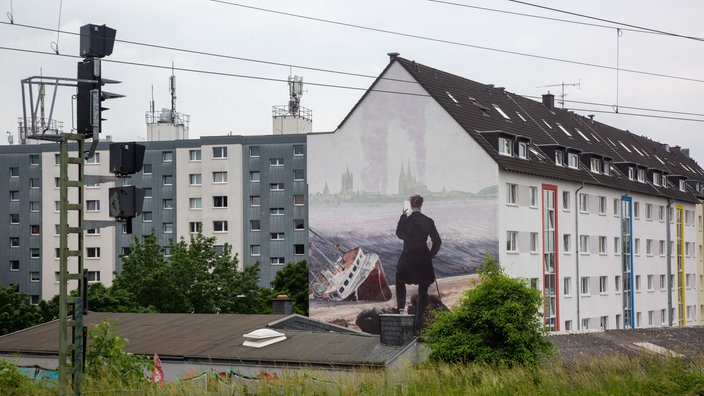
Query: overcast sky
x: 445, y: 36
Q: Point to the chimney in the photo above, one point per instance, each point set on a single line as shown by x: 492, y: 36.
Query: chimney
x: 282, y: 305
x: 393, y: 56
x: 549, y: 100
x: 396, y: 329
x: 685, y: 151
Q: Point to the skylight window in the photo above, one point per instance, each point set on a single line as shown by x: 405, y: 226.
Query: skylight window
x: 624, y: 146
x: 611, y: 141
x: 637, y: 151
x: 452, y: 97
x: 501, y: 111
x: 595, y: 138
x: 581, y: 134
x: 546, y: 124
x: 563, y: 129
x: 536, y: 153
x: 658, y: 158
x: 521, y: 117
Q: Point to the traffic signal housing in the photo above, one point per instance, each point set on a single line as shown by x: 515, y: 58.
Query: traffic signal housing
x: 125, y: 202
x: 126, y: 158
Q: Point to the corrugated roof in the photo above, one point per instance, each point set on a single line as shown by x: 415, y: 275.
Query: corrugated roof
x: 211, y: 337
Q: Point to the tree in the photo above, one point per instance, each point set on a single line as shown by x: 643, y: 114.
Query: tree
x: 16, y: 312
x: 106, y: 356
x: 104, y: 299
x: 293, y: 281
x: 498, y: 323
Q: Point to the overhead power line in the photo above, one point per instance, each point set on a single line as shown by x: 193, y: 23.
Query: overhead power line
x: 352, y: 88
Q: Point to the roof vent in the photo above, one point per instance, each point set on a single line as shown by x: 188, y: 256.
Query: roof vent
x: 262, y: 337
x: 392, y: 56
x: 282, y: 305
x: 549, y: 100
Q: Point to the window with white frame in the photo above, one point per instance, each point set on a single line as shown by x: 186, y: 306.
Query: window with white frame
x: 683, y: 185
x: 34, y: 276
x: 195, y: 203
x: 93, y: 205
x: 567, y: 243
x: 167, y: 156
x: 254, y: 151
x: 636, y: 209
x: 559, y: 158
x: 584, y: 203
x: 278, y: 261
x: 276, y: 236
x: 276, y: 211
x: 511, y: 241
x: 534, y: 242
x: 220, y: 226
x: 661, y: 213
x: 566, y: 200
x: 299, y: 249
x: 255, y: 200
x: 34, y: 183
x: 36, y: 206
x: 220, y: 201
x: 220, y: 177
x: 656, y: 179
x: 93, y: 252
x: 636, y: 246
x: 649, y: 247
x: 584, y: 289
x: 95, y: 159
x: 603, y: 285
x: 195, y: 179
x: 648, y: 211
x: 584, y: 244
x: 631, y: 173
x: 298, y: 150
x: 637, y: 282
x: 255, y: 225
x: 661, y: 247
x: 255, y: 176
x: 533, y: 196
x: 14, y: 195
x: 505, y: 147
x: 617, y: 206
x: 168, y: 203
x: 299, y: 174
x: 617, y: 283
x: 167, y: 180
x: 276, y: 187
x: 595, y: 165
x: 168, y: 228
x: 607, y: 168
x: 195, y: 227
x: 567, y: 286
x: 298, y: 199
x: 34, y: 159
x: 14, y: 242
x: 255, y: 250
x: 602, y: 244
x: 147, y: 217
x: 572, y: 161
x: 641, y: 175
x: 34, y: 253
x: 299, y: 224
x: 602, y: 205
x: 650, y: 282
x: 147, y: 192
x: 276, y: 162
x: 522, y: 150
x: 147, y: 169
x: 219, y: 152
x: 511, y: 193
x: 194, y: 155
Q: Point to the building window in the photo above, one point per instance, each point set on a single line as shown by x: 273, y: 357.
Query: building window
x: 534, y: 242
x: 683, y: 185
x: 604, y: 323
x: 637, y: 282
x: 299, y: 224
x: 254, y: 151
x: 147, y: 192
x: 168, y: 203
x: 147, y: 217
x: 255, y: 200
x: 567, y: 286
x: 584, y: 203
x: 93, y: 276
x: 34, y: 159
x: 276, y: 162
x: 595, y: 164
x: 299, y: 249
x: 650, y: 282
x: 14, y: 218
x: 93, y: 205
x: 255, y: 225
x: 584, y: 290
x: 298, y: 150
x: 661, y: 248
x: 93, y: 252
x: 220, y: 177
x: 276, y: 187
x: 505, y: 147
x: 167, y: 156
x: 195, y: 203
x: 602, y: 245
x: 566, y: 200
x: 276, y: 211
x: 35, y: 206
x: 167, y: 180
x: 14, y: 242
x: 533, y: 196
x: 559, y: 158
x: 298, y: 199
x: 568, y: 325
x: 572, y: 161
x: 511, y: 193
x: 522, y: 150
x: 195, y: 227
x: 195, y: 179
x: 57, y: 159
x: 220, y: 201
x: 34, y: 183
x: 14, y: 265
x: 584, y: 244
x: 277, y: 236
x: 636, y: 247
x: 511, y: 241
x: 254, y: 176
x: 631, y: 173
x: 636, y: 209
x: 298, y: 174
x: 607, y: 168
x: 255, y: 250
x: 617, y: 205
x: 14, y: 195
x: 641, y: 175
x: 194, y: 155
x: 220, y: 225
x: 34, y: 276
x: 567, y: 242
x: 168, y: 228
x: 147, y: 169
x: 649, y: 247
x: 602, y: 205
x: 34, y: 229
x: 603, y: 285
x: 219, y: 152
x: 278, y: 261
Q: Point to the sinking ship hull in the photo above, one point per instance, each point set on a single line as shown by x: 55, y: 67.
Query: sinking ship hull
x: 355, y: 276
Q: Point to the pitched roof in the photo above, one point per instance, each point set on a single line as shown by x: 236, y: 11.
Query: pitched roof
x: 219, y: 338
x: 481, y: 109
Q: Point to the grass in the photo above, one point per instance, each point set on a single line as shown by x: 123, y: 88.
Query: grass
x: 644, y: 375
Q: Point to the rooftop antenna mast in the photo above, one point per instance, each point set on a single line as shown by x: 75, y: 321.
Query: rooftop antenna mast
x: 295, y: 90
x: 172, y: 90
x: 562, y: 93
x: 151, y: 106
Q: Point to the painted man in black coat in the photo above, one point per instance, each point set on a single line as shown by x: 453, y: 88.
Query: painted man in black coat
x: 415, y: 266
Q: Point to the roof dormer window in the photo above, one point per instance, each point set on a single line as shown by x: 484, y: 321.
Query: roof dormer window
x: 595, y: 165
x: 505, y: 147
x: 572, y: 161
x: 631, y: 173
x: 683, y: 185
x: 559, y: 158
x: 641, y: 175
x: 522, y: 150
x: 607, y: 168
x: 656, y: 179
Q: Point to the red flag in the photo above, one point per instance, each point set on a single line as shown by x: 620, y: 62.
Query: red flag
x: 158, y: 373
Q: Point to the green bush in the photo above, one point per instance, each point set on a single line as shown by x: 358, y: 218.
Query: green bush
x: 497, y: 323
x: 12, y: 381
x: 106, y: 356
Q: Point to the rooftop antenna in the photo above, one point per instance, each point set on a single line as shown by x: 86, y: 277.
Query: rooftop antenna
x: 562, y: 93
x: 295, y: 90
x: 151, y: 105
x: 172, y: 89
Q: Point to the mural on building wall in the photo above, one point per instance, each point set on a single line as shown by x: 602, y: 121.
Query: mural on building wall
x: 359, y: 178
